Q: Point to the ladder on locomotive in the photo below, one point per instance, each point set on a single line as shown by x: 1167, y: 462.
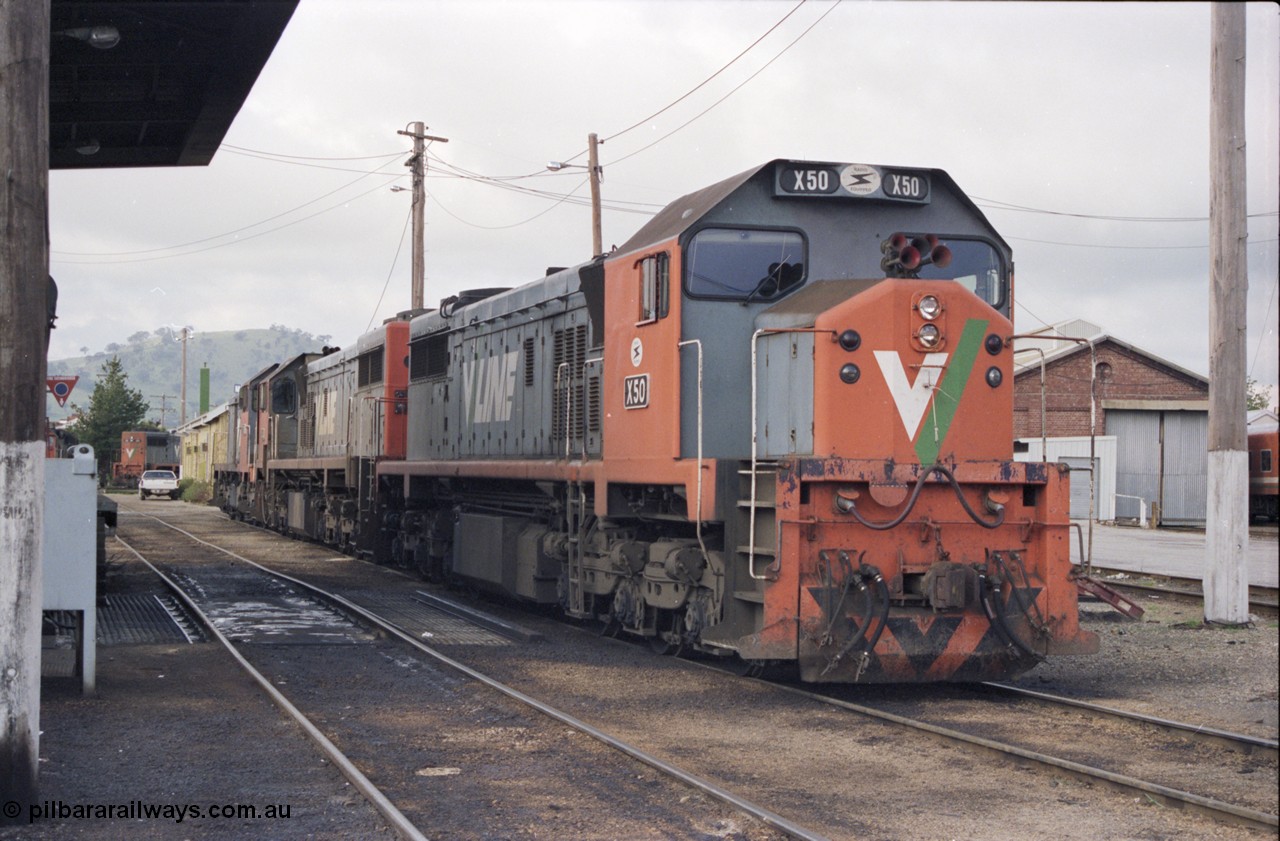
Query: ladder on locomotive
x: 576, y: 516
x: 757, y: 526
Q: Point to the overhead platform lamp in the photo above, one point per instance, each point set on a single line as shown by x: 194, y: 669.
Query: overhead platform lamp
x: 98, y: 37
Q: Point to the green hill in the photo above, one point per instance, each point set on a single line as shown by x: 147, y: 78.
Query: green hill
x: 153, y: 362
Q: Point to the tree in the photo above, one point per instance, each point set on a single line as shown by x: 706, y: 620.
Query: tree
x: 113, y: 409
x: 1255, y: 396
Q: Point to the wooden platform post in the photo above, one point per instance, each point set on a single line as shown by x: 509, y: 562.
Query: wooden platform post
x: 24, y: 279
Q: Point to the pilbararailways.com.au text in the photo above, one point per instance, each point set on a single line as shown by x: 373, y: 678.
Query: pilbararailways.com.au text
x: 52, y: 810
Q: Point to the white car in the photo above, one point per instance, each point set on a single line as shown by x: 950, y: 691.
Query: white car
x: 158, y: 483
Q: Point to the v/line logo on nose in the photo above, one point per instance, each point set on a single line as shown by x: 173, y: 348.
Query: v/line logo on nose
x: 913, y: 398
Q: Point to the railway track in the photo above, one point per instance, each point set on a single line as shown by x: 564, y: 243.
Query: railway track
x: 241, y: 609
x: 1263, y: 600
x: 1171, y: 763
x: 844, y: 779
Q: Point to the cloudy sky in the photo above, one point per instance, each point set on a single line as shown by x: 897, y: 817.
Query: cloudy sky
x: 1080, y: 129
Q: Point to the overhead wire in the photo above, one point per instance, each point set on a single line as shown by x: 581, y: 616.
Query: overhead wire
x: 997, y: 204
x: 704, y: 82
x: 543, y: 212
x: 1127, y: 247
x: 258, y: 152
x: 1266, y: 323
x: 232, y: 242
x: 391, y: 271
x: 239, y: 230
x: 746, y: 81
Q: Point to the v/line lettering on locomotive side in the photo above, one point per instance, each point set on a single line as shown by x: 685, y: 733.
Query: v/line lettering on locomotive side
x: 327, y: 416
x: 489, y: 387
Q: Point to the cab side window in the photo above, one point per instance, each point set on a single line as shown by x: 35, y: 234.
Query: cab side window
x: 655, y: 286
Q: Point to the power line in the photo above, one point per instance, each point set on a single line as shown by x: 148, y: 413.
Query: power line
x: 1266, y: 322
x: 706, y: 110
x: 996, y: 204
x: 390, y: 271
x: 227, y: 233
x: 701, y: 84
x: 261, y: 153
x: 547, y: 210
x: 343, y: 203
x: 1018, y: 303
x: 618, y: 205
x: 1127, y: 247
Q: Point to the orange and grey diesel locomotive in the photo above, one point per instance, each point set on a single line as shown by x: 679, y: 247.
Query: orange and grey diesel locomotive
x: 776, y: 423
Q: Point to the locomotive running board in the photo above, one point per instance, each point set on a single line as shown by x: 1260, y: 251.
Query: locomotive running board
x: 1085, y: 585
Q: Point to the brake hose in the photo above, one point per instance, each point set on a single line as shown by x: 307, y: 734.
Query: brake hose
x: 998, y: 618
x: 866, y: 571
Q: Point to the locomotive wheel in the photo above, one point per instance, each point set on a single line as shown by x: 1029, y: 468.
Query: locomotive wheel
x: 662, y: 645
x: 610, y: 626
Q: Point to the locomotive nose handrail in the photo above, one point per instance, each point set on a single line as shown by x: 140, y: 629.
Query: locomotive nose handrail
x: 697, y: 343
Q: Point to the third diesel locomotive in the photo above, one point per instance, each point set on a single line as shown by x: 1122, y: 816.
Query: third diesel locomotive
x: 775, y: 424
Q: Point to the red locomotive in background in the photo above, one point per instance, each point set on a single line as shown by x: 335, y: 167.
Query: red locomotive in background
x: 142, y: 450
x: 776, y: 424
x: 1264, y: 478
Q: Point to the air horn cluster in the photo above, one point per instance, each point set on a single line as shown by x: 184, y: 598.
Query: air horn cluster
x: 904, y: 258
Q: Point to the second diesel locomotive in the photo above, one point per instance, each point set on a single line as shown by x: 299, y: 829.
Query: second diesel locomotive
x: 775, y: 424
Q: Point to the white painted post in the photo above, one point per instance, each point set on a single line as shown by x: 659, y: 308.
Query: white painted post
x: 1226, y: 576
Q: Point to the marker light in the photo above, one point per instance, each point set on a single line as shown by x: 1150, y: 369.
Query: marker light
x: 929, y: 335
x: 929, y: 307
x: 994, y: 344
x: 850, y: 373
x: 850, y: 340
x: 994, y: 377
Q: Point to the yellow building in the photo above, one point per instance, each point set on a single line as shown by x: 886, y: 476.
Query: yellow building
x: 202, y: 440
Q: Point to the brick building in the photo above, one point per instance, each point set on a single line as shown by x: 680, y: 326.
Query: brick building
x: 1149, y: 418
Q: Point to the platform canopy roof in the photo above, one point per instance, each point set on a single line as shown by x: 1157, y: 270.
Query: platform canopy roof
x: 165, y: 94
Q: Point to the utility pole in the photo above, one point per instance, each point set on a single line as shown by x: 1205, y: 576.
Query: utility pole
x: 183, y: 414
x: 1226, y: 576
x: 594, y: 175
x: 24, y: 314
x: 164, y: 407
x: 593, y: 164
x: 418, y: 169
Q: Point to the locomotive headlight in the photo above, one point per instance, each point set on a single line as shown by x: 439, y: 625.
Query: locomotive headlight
x: 994, y: 377
x: 929, y: 307
x: 850, y: 373
x: 929, y: 335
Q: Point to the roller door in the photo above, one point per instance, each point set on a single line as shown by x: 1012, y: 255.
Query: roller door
x: 1162, y: 456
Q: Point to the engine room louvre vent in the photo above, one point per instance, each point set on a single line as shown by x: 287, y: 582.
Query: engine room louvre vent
x: 369, y: 367
x: 528, y: 361
x: 307, y: 426
x: 593, y: 404
x: 569, y: 354
x: 429, y: 357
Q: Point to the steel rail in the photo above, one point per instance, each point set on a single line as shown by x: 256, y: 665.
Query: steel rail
x: 402, y: 825
x: 1259, y: 597
x: 1238, y: 741
x: 765, y: 816
x: 1163, y: 795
